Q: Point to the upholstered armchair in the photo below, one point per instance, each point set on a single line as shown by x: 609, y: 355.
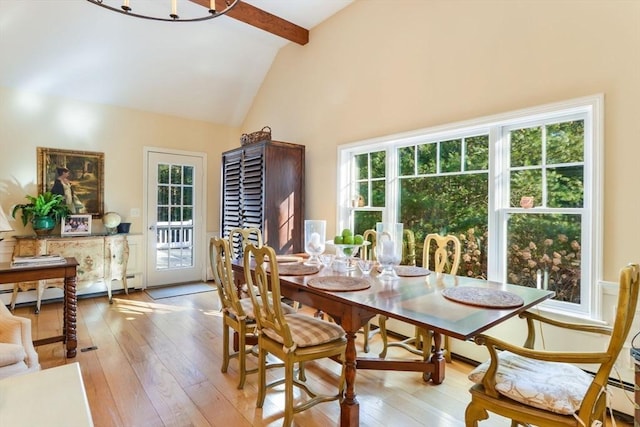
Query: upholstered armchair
x: 17, y: 354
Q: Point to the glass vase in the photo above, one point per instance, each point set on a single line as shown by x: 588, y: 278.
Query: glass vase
x: 388, y: 248
x: 314, y: 240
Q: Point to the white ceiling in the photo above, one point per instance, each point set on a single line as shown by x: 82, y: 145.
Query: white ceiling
x: 208, y: 70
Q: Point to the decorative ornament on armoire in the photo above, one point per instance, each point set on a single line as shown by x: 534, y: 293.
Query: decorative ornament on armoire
x: 255, y: 137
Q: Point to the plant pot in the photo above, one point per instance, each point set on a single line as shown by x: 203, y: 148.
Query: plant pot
x: 123, y: 227
x: 43, y: 225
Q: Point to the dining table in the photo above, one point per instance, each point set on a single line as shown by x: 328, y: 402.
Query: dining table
x: 456, y: 306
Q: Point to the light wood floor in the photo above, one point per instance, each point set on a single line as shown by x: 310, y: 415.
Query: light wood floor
x: 157, y: 363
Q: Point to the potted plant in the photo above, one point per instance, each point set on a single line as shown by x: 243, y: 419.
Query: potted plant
x: 44, y: 211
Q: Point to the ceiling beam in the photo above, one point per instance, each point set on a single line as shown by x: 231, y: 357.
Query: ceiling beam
x: 259, y: 18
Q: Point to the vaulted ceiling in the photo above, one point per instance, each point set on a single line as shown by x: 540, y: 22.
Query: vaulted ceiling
x: 208, y: 70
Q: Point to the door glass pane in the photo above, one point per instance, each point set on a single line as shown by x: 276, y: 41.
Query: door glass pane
x: 174, y: 229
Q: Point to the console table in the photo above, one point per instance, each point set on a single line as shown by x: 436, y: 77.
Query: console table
x: 101, y: 258
x: 67, y: 272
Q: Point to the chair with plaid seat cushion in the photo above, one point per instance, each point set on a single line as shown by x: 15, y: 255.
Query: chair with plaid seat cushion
x: 237, y: 312
x: 292, y: 338
x: 546, y: 388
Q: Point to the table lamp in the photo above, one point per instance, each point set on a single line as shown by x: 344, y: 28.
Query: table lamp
x: 4, y: 224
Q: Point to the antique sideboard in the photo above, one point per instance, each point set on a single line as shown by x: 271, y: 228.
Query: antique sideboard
x: 102, y: 259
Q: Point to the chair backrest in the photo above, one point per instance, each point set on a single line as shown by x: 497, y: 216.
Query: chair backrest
x: 447, y: 253
x: 241, y: 237
x: 629, y: 284
x: 408, y: 247
x: 264, y: 289
x: 369, y: 251
x: 220, y: 258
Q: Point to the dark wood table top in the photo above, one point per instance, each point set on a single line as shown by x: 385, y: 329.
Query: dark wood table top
x: 419, y: 300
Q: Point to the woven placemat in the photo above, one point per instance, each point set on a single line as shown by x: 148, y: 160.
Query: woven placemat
x: 483, y: 297
x: 296, y: 269
x: 409, y: 271
x: 339, y: 283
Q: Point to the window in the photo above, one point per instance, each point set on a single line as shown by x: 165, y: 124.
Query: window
x: 520, y: 190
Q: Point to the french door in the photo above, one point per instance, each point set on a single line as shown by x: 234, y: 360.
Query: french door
x: 174, y: 217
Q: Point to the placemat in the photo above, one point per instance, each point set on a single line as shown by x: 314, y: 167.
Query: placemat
x: 296, y: 269
x: 483, y: 297
x: 339, y: 283
x: 409, y: 271
x: 288, y: 258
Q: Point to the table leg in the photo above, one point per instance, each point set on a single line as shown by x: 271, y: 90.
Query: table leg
x: 349, y: 405
x: 437, y: 360
x: 69, y: 322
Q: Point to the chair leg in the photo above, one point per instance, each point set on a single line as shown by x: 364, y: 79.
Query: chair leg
x: 262, y: 378
x: 14, y: 296
x: 225, y: 347
x: 242, y: 359
x: 473, y: 414
x: 382, y: 323
x: 40, y: 293
x: 288, y: 393
x: 366, y: 328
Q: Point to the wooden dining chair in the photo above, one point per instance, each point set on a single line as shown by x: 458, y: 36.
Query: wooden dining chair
x: 237, y: 313
x: 545, y: 388
x: 240, y: 237
x: 445, y: 258
x: 369, y: 253
x: 292, y: 338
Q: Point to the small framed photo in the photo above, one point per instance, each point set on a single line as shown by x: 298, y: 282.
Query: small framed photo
x: 76, y: 225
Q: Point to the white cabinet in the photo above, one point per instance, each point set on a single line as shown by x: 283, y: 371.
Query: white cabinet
x: 103, y: 261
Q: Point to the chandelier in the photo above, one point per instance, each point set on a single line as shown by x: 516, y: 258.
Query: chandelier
x: 126, y: 9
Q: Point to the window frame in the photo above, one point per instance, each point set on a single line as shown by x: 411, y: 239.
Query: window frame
x: 589, y: 108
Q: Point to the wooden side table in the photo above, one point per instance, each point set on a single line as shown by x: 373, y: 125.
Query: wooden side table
x: 66, y: 271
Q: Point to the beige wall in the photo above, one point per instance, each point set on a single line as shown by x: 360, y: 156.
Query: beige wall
x: 28, y: 121
x: 387, y: 66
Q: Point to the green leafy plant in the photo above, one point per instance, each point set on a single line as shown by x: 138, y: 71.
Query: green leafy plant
x: 43, y: 205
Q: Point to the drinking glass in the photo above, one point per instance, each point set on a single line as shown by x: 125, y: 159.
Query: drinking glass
x: 314, y: 239
x: 388, y: 247
x: 365, y: 266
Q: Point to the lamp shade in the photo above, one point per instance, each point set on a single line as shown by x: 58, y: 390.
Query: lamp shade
x: 4, y: 222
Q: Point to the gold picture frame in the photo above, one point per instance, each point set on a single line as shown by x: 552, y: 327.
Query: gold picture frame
x: 85, y: 173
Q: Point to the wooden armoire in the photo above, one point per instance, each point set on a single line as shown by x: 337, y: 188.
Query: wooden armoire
x: 263, y: 187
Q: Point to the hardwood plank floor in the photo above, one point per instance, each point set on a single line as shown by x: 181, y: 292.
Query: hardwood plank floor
x: 157, y: 363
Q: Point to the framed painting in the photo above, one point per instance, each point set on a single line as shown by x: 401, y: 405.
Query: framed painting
x: 76, y: 225
x: 76, y: 175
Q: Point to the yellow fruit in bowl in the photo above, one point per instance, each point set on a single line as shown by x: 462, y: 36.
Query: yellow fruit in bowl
x: 347, y: 240
x: 338, y: 240
x: 358, y: 239
x: 346, y: 232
